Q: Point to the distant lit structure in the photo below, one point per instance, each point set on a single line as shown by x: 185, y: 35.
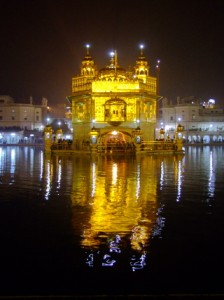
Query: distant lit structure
x: 114, y: 100
x: 202, y: 121
x: 21, y: 122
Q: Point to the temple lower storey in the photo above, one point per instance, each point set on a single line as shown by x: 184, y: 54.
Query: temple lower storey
x: 153, y: 147
x: 111, y: 143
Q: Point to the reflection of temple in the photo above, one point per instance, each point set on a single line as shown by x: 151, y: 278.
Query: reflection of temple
x: 113, y: 101
x: 113, y: 202
x: 122, y: 211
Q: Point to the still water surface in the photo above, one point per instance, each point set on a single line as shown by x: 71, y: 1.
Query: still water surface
x: 72, y: 225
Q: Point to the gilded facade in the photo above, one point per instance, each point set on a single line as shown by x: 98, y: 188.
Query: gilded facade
x: 113, y: 101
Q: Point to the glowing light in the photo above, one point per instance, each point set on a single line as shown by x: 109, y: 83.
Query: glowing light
x: 89, y: 260
x: 211, y: 179
x: 87, y: 48
x: 41, y: 164
x: 108, y: 262
x: 141, y: 47
x: 48, y: 180
x: 114, y: 174
x: 12, y: 161
x: 179, y: 181
x: 59, y: 174
x: 138, y: 181
x: 114, y: 132
x: 93, y: 185
x: 162, y: 175
x: 137, y: 264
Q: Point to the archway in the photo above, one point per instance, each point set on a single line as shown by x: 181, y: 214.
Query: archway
x: 116, y: 140
x: 115, y: 136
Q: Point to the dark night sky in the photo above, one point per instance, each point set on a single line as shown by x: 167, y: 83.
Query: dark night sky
x: 43, y: 43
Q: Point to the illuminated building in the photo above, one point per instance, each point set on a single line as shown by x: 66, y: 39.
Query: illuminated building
x: 202, y: 121
x: 21, y: 121
x: 113, y: 102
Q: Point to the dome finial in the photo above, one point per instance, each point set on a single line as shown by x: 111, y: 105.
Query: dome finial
x: 112, y: 58
x: 141, y: 49
x: 87, y: 49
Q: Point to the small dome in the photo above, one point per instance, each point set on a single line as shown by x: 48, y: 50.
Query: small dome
x: 113, y: 68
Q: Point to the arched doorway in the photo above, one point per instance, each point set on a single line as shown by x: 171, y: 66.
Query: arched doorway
x: 116, y: 140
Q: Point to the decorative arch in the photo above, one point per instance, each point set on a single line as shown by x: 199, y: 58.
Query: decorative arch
x: 115, y: 110
x: 115, y: 137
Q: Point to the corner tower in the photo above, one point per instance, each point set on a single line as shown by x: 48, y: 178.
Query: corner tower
x: 142, y: 66
x: 88, y: 67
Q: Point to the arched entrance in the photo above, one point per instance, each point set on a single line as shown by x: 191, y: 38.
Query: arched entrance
x: 116, y: 140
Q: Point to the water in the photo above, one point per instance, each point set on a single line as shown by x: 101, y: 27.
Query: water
x: 144, y: 225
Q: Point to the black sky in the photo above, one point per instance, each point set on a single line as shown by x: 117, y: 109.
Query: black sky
x: 43, y: 43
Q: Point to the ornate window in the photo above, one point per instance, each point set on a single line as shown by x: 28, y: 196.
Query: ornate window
x: 115, y: 110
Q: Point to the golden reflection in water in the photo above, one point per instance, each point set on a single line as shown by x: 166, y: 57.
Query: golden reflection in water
x: 120, y: 196
x: 114, y: 202
x: 123, y: 203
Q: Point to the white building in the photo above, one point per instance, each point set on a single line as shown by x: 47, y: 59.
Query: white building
x: 21, y: 121
x: 203, y: 122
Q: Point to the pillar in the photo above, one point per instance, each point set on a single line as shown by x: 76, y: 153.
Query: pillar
x: 47, y: 138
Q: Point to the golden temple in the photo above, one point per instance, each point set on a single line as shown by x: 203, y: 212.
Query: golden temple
x: 113, y: 100
x: 113, y: 108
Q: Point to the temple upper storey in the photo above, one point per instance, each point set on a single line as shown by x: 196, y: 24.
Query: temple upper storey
x: 113, y: 77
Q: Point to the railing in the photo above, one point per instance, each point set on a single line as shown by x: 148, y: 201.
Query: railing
x: 158, y: 146
x: 61, y: 146
x: 116, y: 147
x: 151, y: 146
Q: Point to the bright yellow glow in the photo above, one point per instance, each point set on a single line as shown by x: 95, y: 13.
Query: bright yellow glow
x: 117, y: 201
x: 114, y: 174
x: 115, y: 95
x: 114, y: 132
